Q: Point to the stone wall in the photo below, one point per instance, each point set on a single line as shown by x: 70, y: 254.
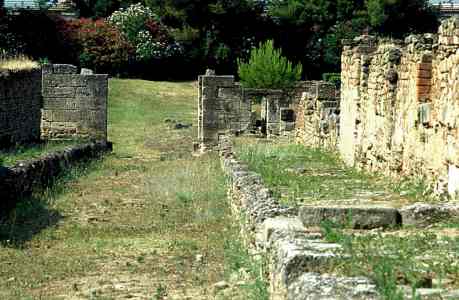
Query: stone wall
x: 221, y: 108
x: 20, y: 180
x: 224, y: 106
x: 317, y: 116
x: 20, y: 103
x: 295, y: 255
x: 400, y: 106
x: 74, y: 105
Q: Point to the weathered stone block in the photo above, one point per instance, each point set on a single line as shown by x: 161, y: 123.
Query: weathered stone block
x: 278, y: 224
x: 59, y: 92
x: 365, y: 217
x: 293, y: 255
x: 74, y: 105
x: 218, y: 81
x: 64, y: 69
x: 423, y: 214
x: 315, y: 286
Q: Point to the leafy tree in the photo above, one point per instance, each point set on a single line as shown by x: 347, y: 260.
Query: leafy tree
x: 312, y: 30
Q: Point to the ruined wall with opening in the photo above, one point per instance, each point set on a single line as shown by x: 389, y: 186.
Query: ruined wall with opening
x: 400, y: 106
x: 20, y: 103
x: 74, y: 105
x: 224, y: 106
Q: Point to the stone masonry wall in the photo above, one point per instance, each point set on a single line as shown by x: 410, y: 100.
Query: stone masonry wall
x: 400, y: 106
x: 20, y: 102
x: 220, y: 108
x: 74, y: 105
x: 317, y: 122
x: 224, y: 106
x: 19, y: 181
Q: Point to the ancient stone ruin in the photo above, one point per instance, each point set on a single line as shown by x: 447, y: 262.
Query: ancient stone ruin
x: 20, y: 104
x: 400, y: 108
x: 397, y: 111
x: 53, y: 103
x: 224, y: 106
x: 74, y: 105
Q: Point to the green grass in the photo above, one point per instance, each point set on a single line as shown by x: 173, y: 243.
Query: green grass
x: 419, y: 260
x: 298, y: 175
x: 408, y: 256
x: 130, y: 225
x: 20, y: 153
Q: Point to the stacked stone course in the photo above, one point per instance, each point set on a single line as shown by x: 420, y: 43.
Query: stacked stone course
x: 20, y: 103
x: 52, y: 103
x: 74, y: 105
x: 317, y: 122
x: 224, y: 106
x: 400, y: 106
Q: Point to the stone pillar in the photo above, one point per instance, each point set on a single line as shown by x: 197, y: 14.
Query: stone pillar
x: 273, y: 117
x: 211, y: 114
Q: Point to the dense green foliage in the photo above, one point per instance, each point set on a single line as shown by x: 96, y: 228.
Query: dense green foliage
x: 311, y: 30
x: 267, y: 68
x: 191, y: 36
x: 334, y: 78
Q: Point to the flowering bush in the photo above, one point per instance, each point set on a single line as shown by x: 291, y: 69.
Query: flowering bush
x: 96, y: 44
x: 148, y: 48
x: 142, y: 28
x: 132, y: 20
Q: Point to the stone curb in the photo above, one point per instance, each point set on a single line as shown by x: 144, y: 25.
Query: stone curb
x: 19, y: 181
x: 294, y: 255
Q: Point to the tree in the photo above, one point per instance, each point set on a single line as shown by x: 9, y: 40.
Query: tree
x: 312, y: 30
x: 267, y: 68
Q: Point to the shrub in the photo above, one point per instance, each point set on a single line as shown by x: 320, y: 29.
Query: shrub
x: 147, y: 48
x: 132, y: 20
x: 267, y: 68
x: 96, y: 45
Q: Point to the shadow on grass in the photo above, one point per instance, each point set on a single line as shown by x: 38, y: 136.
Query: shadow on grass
x: 33, y: 214
x: 28, y: 218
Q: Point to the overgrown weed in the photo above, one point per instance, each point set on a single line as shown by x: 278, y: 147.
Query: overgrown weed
x: 391, y: 260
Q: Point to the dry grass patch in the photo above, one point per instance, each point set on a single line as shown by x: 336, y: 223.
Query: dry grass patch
x: 149, y: 221
x: 18, y: 63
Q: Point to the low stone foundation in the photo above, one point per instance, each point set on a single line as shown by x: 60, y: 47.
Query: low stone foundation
x: 19, y: 181
x: 295, y: 249
x: 294, y: 255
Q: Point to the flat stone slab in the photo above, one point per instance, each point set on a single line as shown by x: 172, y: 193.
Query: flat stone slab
x: 279, y: 225
x: 357, y: 217
x: 314, y: 286
x: 423, y: 214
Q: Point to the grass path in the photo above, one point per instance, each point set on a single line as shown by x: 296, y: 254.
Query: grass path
x: 149, y: 221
